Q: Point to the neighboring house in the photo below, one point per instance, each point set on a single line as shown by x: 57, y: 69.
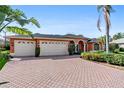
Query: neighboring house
x: 50, y: 44
x: 3, y: 41
x: 120, y: 42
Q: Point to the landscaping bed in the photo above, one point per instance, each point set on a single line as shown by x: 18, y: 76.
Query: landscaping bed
x: 100, y: 56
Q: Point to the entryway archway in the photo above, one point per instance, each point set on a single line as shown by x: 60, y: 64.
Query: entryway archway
x: 96, y: 46
x: 81, y: 46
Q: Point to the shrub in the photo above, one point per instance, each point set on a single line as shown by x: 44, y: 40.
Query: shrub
x: 116, y: 51
x: 2, y: 49
x: 112, y: 47
x: 121, y: 49
x: 100, y: 57
x: 99, y: 51
x: 37, y: 51
x: 7, y: 47
x: 109, y: 58
x: 112, y: 58
x: 86, y: 56
x: 118, y: 59
x: 71, y: 49
x: 3, y: 60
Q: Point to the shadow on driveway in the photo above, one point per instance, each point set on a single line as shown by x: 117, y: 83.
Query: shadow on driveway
x: 49, y: 57
x: 1, y: 83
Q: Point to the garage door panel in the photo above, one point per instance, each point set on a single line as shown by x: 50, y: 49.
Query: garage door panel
x: 24, y: 48
x: 53, y: 48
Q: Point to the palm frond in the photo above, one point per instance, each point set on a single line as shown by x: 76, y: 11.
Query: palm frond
x: 17, y: 30
x: 2, y: 17
x: 98, y: 24
x: 99, y: 7
x: 22, y: 22
x: 109, y: 9
x: 18, y: 12
x: 6, y: 9
x: 34, y: 21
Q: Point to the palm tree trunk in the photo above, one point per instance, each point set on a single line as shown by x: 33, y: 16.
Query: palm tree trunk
x: 107, y: 39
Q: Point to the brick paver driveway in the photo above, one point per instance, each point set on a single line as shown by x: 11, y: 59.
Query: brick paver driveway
x: 60, y: 72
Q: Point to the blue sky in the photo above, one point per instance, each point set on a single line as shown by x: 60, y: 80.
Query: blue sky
x: 72, y: 19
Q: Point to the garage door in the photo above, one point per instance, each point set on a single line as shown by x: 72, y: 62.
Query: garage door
x: 53, y: 48
x: 24, y: 48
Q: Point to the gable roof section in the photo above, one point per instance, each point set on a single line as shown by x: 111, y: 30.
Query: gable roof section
x: 37, y: 35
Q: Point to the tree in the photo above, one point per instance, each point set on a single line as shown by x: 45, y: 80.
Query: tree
x: 9, y: 15
x: 102, y: 39
x: 106, y: 10
x: 118, y: 36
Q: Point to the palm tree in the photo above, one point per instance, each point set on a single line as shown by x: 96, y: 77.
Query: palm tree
x: 106, y: 10
x: 9, y: 15
x: 102, y: 40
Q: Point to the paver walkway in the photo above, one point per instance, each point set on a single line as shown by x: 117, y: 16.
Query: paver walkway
x: 59, y: 72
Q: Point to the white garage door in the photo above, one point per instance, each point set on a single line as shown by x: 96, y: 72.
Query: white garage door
x: 53, y: 48
x: 24, y: 48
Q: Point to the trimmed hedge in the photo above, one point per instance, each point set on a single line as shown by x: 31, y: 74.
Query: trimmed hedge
x: 112, y: 58
x: 94, y: 56
x: 117, y: 59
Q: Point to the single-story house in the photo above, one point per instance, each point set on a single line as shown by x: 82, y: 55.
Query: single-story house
x: 120, y: 42
x: 51, y: 44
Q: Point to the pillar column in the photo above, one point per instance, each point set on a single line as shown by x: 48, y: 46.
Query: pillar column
x: 76, y: 47
x: 37, y: 43
x: 11, y: 45
x: 92, y: 46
